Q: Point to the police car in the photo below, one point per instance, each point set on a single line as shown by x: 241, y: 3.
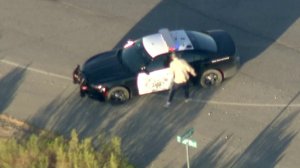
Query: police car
x: 141, y: 66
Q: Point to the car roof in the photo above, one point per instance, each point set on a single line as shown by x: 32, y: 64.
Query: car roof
x: 165, y: 41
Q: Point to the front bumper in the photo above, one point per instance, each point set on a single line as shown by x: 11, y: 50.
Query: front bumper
x: 79, y: 79
x: 77, y: 76
x: 85, y: 88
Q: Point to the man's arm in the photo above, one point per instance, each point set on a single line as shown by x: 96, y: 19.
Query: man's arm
x: 191, y: 70
x: 188, y: 68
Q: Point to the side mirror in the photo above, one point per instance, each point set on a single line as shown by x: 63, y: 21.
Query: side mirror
x: 144, y: 69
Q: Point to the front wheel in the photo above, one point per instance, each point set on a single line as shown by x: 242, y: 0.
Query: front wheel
x: 211, y: 78
x: 118, y: 95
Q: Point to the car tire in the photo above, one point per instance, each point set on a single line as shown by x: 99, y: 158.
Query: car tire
x: 211, y: 78
x: 118, y: 95
x: 82, y: 93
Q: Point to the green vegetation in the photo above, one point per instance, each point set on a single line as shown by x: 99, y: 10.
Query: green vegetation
x: 45, y: 151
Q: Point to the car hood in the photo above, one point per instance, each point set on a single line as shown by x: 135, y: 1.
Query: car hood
x: 104, y: 67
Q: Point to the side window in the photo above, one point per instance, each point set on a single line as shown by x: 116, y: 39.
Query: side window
x: 200, y: 57
x: 192, y: 56
x: 188, y: 56
x: 158, y: 63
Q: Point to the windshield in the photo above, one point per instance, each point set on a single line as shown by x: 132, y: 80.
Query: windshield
x: 135, y: 56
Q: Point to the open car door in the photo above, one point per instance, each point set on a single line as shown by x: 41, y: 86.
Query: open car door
x: 154, y: 81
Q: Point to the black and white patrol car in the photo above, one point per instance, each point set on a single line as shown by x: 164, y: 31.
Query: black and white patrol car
x: 141, y: 66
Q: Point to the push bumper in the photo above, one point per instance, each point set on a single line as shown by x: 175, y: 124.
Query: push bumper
x: 78, y: 79
x: 77, y: 75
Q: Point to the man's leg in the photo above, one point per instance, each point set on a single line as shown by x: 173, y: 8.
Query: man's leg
x: 172, y: 91
x: 186, y: 92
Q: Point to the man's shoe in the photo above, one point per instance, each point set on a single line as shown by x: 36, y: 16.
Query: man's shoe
x: 187, y: 100
x: 167, y: 104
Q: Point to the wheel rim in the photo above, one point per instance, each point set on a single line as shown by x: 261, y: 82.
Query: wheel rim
x: 118, y: 96
x: 211, y: 79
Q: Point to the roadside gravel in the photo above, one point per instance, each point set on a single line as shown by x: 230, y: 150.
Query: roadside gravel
x: 11, y: 127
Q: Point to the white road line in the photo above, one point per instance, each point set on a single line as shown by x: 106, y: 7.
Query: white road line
x: 194, y: 100
x: 35, y: 70
x: 244, y: 104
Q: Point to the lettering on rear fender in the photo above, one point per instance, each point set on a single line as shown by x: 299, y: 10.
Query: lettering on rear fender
x: 219, y: 60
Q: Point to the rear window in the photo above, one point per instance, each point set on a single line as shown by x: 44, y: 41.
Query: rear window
x: 202, y: 41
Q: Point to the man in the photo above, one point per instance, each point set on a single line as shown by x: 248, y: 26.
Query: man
x: 181, y: 73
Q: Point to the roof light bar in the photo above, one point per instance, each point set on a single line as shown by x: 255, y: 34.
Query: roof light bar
x: 168, y: 38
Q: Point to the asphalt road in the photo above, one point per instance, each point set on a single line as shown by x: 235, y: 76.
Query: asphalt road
x: 250, y: 121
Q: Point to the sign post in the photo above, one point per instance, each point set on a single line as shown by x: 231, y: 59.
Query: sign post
x: 187, y: 156
x: 183, y: 139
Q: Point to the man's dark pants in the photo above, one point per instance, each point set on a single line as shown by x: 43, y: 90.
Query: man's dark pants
x: 175, y: 87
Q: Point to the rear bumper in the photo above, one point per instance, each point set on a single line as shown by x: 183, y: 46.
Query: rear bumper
x: 232, y: 69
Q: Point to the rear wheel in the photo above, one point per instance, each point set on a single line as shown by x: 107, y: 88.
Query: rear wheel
x: 211, y: 78
x: 118, y: 95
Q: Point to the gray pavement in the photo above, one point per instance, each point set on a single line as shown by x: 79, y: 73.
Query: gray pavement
x: 250, y: 121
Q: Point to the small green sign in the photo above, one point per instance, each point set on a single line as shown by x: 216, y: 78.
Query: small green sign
x: 183, y: 139
x: 189, y: 142
x: 178, y: 139
x: 187, y: 133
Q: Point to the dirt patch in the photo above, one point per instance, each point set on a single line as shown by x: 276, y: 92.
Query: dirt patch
x: 11, y: 127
